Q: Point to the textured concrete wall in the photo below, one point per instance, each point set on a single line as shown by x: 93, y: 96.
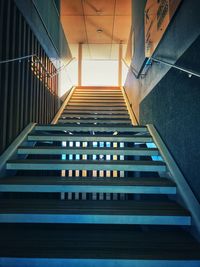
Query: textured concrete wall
x: 173, y: 106
x: 183, y: 30
x: 168, y: 98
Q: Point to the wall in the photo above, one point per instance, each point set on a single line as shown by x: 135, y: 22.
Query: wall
x: 166, y: 97
x: 44, y: 20
x: 173, y: 106
x: 28, y: 92
x: 181, y: 33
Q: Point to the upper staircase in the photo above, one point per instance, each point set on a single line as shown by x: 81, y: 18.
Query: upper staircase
x: 92, y: 189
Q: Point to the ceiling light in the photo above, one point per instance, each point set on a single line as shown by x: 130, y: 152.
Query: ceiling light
x: 99, y: 12
x: 99, y: 30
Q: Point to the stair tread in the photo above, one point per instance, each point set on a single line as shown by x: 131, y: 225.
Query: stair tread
x: 93, y: 97
x: 88, y: 162
x: 107, y: 118
x: 86, y: 116
x: 93, y: 127
x: 101, y: 207
x: 87, y: 185
x: 89, y: 138
x: 87, y: 150
x: 52, y: 164
x: 95, y: 108
x: 93, y: 241
x: 97, y: 100
x: 96, y: 105
x: 57, y: 180
x: 102, y: 112
x: 97, y: 121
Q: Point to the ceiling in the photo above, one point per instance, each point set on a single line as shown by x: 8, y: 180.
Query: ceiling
x: 100, y: 25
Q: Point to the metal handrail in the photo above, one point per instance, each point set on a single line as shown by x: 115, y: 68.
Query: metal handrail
x: 26, y: 57
x: 16, y: 59
x: 131, y: 68
x: 125, y: 63
x: 189, y: 72
x: 62, y: 67
x: 50, y: 75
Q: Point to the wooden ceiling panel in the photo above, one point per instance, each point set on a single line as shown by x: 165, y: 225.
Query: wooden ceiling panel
x: 82, y: 18
x: 105, y: 23
x: 121, y: 29
x: 71, y: 8
x: 99, y: 7
x: 74, y: 29
x: 123, y: 7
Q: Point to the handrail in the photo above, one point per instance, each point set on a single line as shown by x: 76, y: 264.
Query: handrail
x: 16, y: 59
x: 27, y: 57
x: 62, y: 67
x: 11, y: 150
x: 131, y: 68
x: 125, y: 63
x: 50, y: 75
x: 189, y: 72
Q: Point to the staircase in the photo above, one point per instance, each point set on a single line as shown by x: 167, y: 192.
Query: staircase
x: 92, y: 190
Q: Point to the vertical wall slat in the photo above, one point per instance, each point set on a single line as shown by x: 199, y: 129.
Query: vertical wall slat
x: 23, y: 76
x: 26, y: 94
x: 5, y: 72
x: 2, y: 40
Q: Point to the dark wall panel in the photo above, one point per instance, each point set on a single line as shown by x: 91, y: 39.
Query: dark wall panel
x: 173, y: 106
x: 44, y: 20
x: 138, y: 29
x: 28, y: 93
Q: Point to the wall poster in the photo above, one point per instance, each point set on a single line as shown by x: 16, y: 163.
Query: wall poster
x: 158, y: 14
